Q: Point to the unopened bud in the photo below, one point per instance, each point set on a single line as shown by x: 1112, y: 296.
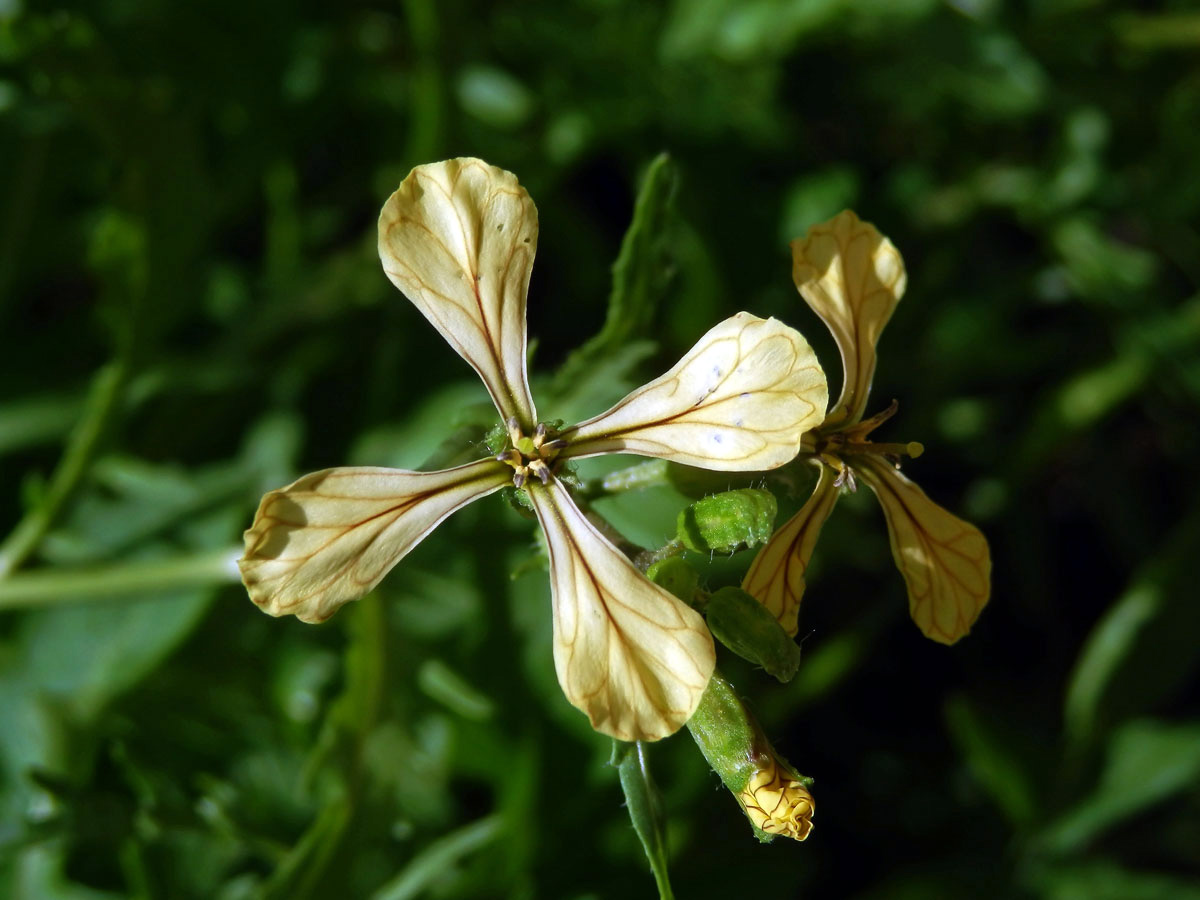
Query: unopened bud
x: 676, y: 576
x: 723, y: 522
x: 776, y: 799
x: 747, y: 628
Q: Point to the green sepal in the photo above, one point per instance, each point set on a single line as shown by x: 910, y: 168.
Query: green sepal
x: 674, y: 574
x: 726, y: 734
x: 496, y: 438
x: 745, y: 626
x: 518, y: 500
x: 724, y: 522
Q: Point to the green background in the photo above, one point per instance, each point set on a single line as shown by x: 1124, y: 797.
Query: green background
x: 192, y: 312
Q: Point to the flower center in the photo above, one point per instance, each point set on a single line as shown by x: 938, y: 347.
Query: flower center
x: 851, y: 439
x: 530, y: 455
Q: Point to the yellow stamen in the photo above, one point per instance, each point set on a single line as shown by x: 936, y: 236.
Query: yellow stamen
x: 530, y: 456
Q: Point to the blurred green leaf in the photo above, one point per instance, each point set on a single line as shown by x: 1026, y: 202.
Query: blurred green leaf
x: 494, y: 96
x: 453, y: 691
x: 308, y: 869
x: 1161, y: 31
x: 815, y: 198
x: 36, y: 420
x: 1099, y: 266
x: 993, y: 763
x: 1148, y: 762
x: 1105, y: 880
x: 1143, y: 648
x: 432, y: 865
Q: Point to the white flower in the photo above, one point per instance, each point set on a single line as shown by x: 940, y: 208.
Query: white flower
x: 458, y: 238
x: 853, y: 278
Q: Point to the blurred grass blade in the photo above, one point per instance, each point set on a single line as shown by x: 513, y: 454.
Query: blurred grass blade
x: 308, y: 870
x: 441, y: 683
x: 1144, y: 647
x: 85, y: 439
x: 126, y: 580
x: 37, y: 420
x: 1160, y: 31
x: 429, y: 867
x: 645, y: 809
x: 300, y: 872
x: 993, y: 764
x: 1148, y: 762
x: 1105, y: 880
x: 1149, y: 348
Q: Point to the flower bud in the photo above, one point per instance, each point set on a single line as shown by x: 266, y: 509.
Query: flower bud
x: 676, y: 576
x: 777, y: 801
x: 747, y: 628
x: 774, y: 797
x: 723, y: 522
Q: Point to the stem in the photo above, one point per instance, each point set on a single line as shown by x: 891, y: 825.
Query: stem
x: 645, y: 806
x: 634, y: 478
x: 52, y: 587
x: 76, y: 458
x: 427, y: 96
x: 646, y: 558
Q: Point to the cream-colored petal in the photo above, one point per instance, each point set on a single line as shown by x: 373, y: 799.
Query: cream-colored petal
x: 630, y: 655
x: 329, y: 537
x: 944, y: 560
x: 852, y: 277
x: 776, y: 802
x: 458, y: 238
x: 776, y: 577
x: 738, y: 401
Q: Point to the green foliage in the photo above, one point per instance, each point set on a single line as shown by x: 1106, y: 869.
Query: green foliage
x: 192, y: 313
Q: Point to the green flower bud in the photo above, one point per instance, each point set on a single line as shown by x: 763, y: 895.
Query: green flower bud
x: 676, y: 576
x: 723, y: 522
x: 747, y: 628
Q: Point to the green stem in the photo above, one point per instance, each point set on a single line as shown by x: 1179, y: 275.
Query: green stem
x: 635, y: 478
x: 646, y: 558
x: 645, y: 806
x: 427, y: 97
x: 81, y: 448
x: 51, y: 587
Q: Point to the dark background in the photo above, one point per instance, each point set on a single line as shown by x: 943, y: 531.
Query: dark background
x: 192, y: 312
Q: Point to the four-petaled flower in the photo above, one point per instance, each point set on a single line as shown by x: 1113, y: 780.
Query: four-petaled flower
x: 853, y: 277
x: 458, y: 238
